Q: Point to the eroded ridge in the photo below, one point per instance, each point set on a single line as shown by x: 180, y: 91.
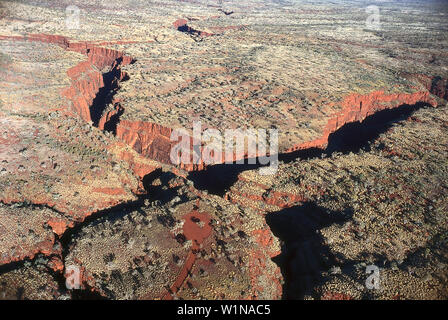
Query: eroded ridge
x: 362, y: 172
x: 94, y: 82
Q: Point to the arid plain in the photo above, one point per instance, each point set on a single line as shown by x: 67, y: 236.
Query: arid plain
x: 92, y: 205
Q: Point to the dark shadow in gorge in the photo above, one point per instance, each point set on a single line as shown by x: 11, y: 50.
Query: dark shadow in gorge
x: 227, y: 13
x: 162, y: 193
x: 196, y: 35
x: 153, y: 192
x: 439, y: 87
x: 351, y: 137
x: 157, y: 186
x: 304, y: 255
x: 105, y: 96
x: 357, y: 135
x: 186, y: 29
x: 159, y: 192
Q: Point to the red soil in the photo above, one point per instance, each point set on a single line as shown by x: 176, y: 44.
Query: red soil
x: 183, y: 23
x: 153, y: 140
x: 196, y: 234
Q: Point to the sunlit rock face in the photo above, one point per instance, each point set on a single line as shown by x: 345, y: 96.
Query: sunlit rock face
x: 91, y: 93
